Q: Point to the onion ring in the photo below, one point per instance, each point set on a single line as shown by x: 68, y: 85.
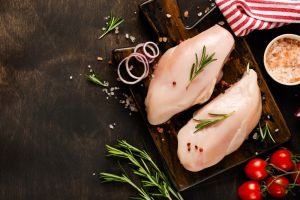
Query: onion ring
x: 150, y: 60
x: 138, y: 47
x: 155, y: 53
x: 145, y: 57
x: 141, y: 58
x: 138, y: 79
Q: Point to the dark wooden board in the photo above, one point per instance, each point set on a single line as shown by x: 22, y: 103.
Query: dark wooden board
x: 193, y: 12
x: 166, y: 142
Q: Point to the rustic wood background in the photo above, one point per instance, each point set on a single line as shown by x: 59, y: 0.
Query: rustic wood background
x: 53, y: 129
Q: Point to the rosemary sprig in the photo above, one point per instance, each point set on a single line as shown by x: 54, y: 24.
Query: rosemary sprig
x: 203, y: 123
x: 92, y: 78
x: 248, y: 68
x: 107, y: 177
x: 154, y: 183
x: 265, y: 131
x: 111, y: 24
x: 197, y: 66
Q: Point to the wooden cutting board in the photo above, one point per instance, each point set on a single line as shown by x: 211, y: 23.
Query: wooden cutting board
x: 173, y: 28
x: 193, y: 12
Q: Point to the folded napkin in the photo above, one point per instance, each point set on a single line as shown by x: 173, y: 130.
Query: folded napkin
x: 244, y: 16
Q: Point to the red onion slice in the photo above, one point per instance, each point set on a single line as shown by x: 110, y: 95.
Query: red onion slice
x: 150, y: 60
x: 138, y: 79
x: 145, y: 57
x: 137, y: 47
x: 153, y: 47
x: 141, y: 58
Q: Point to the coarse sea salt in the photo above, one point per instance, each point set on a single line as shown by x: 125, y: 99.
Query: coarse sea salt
x: 283, y: 60
x: 132, y: 38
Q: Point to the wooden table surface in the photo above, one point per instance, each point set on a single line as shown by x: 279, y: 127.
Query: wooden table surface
x: 53, y: 129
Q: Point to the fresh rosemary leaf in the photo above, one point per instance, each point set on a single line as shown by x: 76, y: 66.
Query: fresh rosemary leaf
x: 92, y: 78
x: 197, y: 66
x: 192, y: 70
x: 111, y: 24
x: 265, y: 131
x: 107, y: 177
x: 152, y: 180
x: 261, y: 132
x: 203, y: 123
x: 248, y: 68
x: 220, y: 115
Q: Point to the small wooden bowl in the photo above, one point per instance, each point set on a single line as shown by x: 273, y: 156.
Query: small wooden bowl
x: 291, y: 36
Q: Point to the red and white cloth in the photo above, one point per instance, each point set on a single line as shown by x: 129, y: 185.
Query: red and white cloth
x: 244, y: 16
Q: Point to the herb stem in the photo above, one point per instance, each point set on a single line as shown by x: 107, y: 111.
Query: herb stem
x: 92, y: 78
x: 203, y: 123
x: 107, y: 177
x: 112, y: 24
x: 264, y: 132
x: 145, y: 168
x: 197, y: 66
x: 248, y: 68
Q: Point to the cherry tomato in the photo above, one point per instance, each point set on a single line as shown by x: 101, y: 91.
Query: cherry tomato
x: 295, y: 176
x: 250, y: 190
x: 256, y: 169
x: 282, y: 159
x: 277, y: 186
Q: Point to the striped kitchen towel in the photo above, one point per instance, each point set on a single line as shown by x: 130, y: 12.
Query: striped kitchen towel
x: 244, y: 16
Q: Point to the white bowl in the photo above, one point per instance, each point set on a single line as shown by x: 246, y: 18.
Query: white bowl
x: 291, y: 36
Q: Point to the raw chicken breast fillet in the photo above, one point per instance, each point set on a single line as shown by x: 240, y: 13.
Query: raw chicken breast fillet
x: 168, y: 93
x: 208, y: 146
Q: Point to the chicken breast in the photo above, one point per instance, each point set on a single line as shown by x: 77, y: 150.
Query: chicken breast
x: 168, y: 92
x: 206, y: 147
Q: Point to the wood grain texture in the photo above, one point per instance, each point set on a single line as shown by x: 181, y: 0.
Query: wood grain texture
x: 193, y: 12
x: 166, y: 142
x: 53, y: 129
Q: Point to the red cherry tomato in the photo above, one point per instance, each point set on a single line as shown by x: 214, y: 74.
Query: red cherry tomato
x: 250, y: 190
x: 256, y: 169
x: 295, y: 176
x: 277, y: 186
x: 282, y: 159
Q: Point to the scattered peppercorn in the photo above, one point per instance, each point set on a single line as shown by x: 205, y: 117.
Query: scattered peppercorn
x: 225, y: 84
x: 160, y: 130
x: 186, y: 14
